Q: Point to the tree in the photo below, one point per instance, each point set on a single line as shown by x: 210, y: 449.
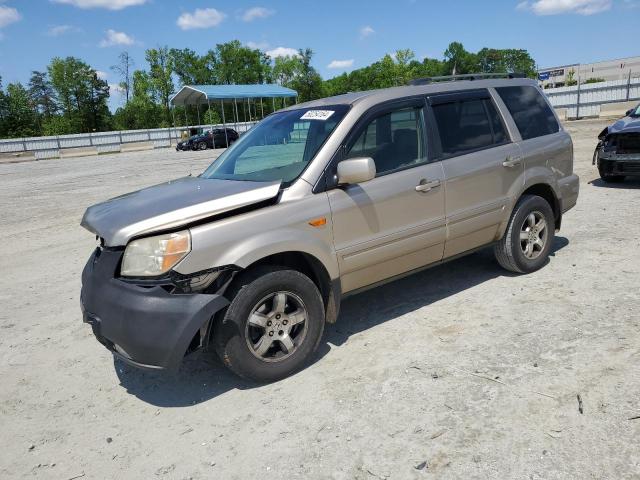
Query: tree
x: 307, y: 81
x: 491, y: 60
x: 124, y: 69
x: 20, y: 118
x: 42, y: 95
x: 82, y: 95
x: 143, y: 110
x: 458, y: 61
x: 160, y: 75
x: 191, y: 68
x: 234, y: 63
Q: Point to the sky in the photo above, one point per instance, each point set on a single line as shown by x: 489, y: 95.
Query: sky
x: 344, y: 34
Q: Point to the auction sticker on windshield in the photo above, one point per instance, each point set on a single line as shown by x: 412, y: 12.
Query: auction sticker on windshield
x: 317, y: 115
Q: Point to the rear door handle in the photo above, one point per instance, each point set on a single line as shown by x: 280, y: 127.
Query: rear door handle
x: 426, y: 185
x: 511, y: 162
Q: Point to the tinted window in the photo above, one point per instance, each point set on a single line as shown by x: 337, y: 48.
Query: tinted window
x: 468, y: 125
x: 530, y: 111
x: 393, y: 140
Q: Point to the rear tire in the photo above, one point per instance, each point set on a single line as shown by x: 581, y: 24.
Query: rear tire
x: 273, y: 325
x: 202, y: 146
x: 526, y: 244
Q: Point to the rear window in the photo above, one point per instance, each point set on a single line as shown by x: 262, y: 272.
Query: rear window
x: 468, y: 125
x: 532, y: 114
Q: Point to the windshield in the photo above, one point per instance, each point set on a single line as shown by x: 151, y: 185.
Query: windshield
x: 279, y: 147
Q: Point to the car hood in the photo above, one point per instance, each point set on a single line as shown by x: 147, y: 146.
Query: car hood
x: 626, y: 125
x: 171, y: 205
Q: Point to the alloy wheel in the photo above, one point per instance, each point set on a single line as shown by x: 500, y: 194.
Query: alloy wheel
x: 277, y: 326
x: 533, y: 235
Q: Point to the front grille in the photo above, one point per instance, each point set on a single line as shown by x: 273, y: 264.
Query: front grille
x: 628, y: 143
x: 628, y: 167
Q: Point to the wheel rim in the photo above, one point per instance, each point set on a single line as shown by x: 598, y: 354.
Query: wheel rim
x: 277, y: 326
x: 203, y: 146
x: 533, y: 235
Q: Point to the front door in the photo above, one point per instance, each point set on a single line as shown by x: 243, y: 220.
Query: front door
x: 395, y: 222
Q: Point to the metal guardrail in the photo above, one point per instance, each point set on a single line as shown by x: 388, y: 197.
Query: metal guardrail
x: 104, y: 142
x: 586, y: 99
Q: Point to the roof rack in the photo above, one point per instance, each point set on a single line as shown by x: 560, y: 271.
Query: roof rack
x: 466, y: 76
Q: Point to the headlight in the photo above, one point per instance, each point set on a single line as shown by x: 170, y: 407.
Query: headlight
x: 152, y: 256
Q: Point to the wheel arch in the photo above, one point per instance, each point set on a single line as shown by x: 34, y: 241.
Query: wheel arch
x: 545, y: 191
x: 312, y: 267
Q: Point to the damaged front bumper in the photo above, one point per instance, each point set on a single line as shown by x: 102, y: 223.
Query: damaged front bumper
x: 146, y: 326
x: 611, y: 163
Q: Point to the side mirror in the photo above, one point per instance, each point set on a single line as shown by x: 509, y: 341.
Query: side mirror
x: 356, y: 170
x: 629, y: 112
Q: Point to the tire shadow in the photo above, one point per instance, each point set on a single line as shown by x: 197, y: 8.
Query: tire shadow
x: 203, y: 377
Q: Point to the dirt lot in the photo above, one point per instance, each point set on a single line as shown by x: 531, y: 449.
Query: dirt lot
x: 464, y: 367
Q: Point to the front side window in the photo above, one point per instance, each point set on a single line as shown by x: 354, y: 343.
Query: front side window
x: 393, y: 140
x: 279, y: 147
x: 532, y: 114
x: 468, y: 125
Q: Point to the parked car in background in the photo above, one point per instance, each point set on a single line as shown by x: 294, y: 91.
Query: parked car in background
x: 319, y: 201
x: 618, y: 152
x: 210, y: 139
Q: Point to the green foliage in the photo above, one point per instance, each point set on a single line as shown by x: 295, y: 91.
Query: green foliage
x: 81, y: 95
x: 20, y: 120
x: 595, y: 80
x: 571, y: 78
x: 161, y: 68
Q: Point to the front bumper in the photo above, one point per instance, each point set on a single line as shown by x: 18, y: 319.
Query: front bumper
x: 145, y: 326
x: 618, y: 164
x: 183, y: 147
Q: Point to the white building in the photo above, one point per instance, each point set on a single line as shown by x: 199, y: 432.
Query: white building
x: 619, y: 69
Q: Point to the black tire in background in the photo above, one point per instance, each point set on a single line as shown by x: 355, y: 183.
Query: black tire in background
x: 230, y: 332
x: 509, y: 251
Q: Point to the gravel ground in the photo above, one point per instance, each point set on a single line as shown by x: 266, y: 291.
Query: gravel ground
x: 462, y: 371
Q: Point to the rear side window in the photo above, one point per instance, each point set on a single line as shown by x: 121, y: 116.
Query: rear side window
x: 468, y: 125
x: 532, y: 114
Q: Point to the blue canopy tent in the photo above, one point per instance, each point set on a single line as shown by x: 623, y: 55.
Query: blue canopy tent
x: 206, y: 94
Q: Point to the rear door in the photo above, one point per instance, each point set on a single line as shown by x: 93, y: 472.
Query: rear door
x: 483, y: 168
x: 395, y: 222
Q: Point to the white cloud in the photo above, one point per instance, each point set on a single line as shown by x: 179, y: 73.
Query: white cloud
x: 366, y: 31
x: 102, y: 75
x: 283, y: 52
x: 201, y: 18
x: 257, y: 45
x: 108, y: 4
x: 255, y: 13
x: 115, y: 38
x: 58, y: 30
x: 556, y: 7
x: 341, y: 64
x: 8, y: 15
x: 115, y: 88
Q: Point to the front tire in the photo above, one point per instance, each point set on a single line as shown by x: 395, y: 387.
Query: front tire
x: 202, y: 146
x: 526, y: 244
x: 273, y: 325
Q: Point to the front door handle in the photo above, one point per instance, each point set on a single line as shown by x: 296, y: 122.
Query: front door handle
x: 426, y: 185
x: 511, y: 162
